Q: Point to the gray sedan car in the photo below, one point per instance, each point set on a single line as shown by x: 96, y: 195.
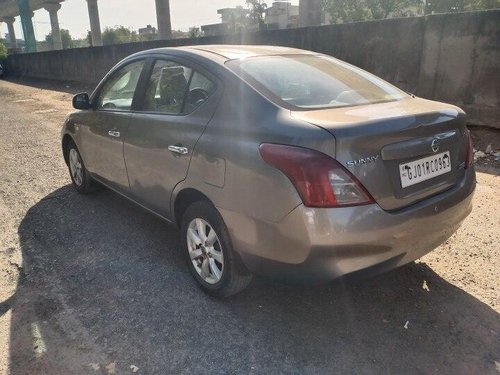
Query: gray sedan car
x: 274, y: 161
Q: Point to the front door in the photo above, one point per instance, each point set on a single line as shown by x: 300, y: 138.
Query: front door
x: 177, y: 103
x: 104, y: 129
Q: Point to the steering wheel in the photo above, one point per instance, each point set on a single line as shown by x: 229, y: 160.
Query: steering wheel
x: 198, y: 96
x: 109, y: 105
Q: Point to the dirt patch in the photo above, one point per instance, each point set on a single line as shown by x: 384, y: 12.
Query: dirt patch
x: 487, y: 149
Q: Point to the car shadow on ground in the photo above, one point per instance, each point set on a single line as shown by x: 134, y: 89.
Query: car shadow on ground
x: 106, y: 285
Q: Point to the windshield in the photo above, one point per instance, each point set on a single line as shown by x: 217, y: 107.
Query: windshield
x: 313, y: 81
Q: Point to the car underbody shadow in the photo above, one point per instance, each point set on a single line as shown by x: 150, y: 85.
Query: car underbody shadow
x: 106, y: 287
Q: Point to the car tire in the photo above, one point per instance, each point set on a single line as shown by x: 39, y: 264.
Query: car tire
x: 80, y: 177
x: 209, y: 253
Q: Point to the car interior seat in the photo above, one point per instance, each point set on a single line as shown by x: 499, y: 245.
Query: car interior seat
x: 172, y: 87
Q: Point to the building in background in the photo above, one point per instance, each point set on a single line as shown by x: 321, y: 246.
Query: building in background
x: 215, y: 29
x: 232, y: 21
x: 148, y: 30
x: 282, y: 15
x: 232, y: 15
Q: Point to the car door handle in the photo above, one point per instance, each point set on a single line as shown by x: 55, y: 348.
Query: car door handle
x: 178, y: 149
x: 114, y: 133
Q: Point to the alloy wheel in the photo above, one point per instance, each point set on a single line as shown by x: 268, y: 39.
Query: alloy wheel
x: 75, y: 167
x: 205, y: 251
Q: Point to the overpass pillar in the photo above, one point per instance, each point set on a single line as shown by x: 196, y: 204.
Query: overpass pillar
x: 52, y: 8
x: 95, y: 24
x: 12, y: 33
x: 163, y: 19
x: 27, y: 23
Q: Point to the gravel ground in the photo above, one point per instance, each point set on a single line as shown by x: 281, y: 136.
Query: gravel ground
x: 94, y: 285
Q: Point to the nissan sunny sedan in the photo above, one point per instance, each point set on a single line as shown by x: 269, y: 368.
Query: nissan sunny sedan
x: 274, y: 161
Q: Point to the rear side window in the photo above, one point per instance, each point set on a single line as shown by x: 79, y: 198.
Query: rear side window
x: 167, y: 87
x: 175, y: 89
x: 118, y: 91
x: 313, y: 81
x: 200, y: 88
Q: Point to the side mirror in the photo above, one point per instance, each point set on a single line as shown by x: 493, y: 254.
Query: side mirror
x: 81, y: 101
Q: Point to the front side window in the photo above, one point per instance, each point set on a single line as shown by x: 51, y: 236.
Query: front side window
x: 118, y: 92
x: 175, y: 89
x: 314, y: 81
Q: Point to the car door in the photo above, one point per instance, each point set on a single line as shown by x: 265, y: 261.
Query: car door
x: 178, y: 100
x: 104, y: 129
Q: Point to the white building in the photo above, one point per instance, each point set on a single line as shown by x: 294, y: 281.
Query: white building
x: 148, y: 30
x: 232, y: 15
x: 282, y: 15
x: 232, y: 20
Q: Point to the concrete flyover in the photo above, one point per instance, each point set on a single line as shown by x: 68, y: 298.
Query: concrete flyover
x: 9, y: 9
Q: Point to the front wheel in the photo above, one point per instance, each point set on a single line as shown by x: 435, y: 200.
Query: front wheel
x: 209, y: 253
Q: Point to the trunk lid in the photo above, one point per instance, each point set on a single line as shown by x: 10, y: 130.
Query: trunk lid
x: 374, y: 142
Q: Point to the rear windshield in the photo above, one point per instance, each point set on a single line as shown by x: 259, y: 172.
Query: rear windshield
x: 313, y: 81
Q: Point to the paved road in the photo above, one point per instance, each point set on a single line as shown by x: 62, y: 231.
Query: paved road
x: 94, y: 285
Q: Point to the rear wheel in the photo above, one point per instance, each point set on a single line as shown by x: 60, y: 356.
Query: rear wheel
x: 80, y: 177
x: 209, y: 253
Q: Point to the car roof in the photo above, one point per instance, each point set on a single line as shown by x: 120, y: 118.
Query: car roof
x: 232, y: 52
x: 224, y: 52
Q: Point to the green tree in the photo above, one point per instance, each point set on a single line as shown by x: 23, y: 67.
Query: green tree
x: 195, y: 32
x: 445, y: 6
x: 343, y: 11
x: 485, y: 4
x: 149, y: 37
x: 380, y: 9
x: 3, y: 51
x: 80, y: 43
x: 89, y: 38
x: 67, y: 40
x: 256, y: 9
x: 178, y: 34
x: 118, y: 35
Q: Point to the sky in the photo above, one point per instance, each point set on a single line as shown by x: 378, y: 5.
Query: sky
x: 134, y: 14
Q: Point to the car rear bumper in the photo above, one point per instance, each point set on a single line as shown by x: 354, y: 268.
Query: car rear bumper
x: 318, y: 245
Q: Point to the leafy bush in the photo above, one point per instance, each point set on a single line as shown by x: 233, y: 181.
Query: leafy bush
x: 3, y: 51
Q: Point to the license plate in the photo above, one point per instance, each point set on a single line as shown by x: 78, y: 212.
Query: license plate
x: 424, y: 169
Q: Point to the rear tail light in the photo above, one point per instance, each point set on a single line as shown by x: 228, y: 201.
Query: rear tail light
x: 470, y: 151
x: 319, y: 179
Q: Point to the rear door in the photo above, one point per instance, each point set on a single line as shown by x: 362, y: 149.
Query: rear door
x: 103, y: 129
x: 177, y: 102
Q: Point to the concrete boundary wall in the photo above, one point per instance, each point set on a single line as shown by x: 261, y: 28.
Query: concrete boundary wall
x: 449, y: 57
